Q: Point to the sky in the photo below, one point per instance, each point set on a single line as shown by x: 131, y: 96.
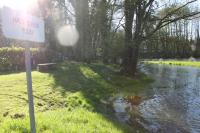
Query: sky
x: 29, y: 4
x: 19, y: 4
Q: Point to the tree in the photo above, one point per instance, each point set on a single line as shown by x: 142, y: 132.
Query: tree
x: 84, y: 46
x: 139, y: 15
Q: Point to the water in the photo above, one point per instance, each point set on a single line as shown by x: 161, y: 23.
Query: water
x: 174, y: 103
x: 121, y: 106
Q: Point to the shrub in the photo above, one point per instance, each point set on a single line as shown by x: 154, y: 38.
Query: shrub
x: 13, y: 59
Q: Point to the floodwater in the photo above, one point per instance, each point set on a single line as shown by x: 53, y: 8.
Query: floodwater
x: 173, y: 105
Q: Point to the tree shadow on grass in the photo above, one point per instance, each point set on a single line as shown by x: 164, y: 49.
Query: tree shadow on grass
x: 77, y: 77
x: 70, y: 78
x: 112, y: 75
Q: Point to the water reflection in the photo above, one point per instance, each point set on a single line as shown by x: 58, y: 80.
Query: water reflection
x: 120, y: 107
x: 175, y: 106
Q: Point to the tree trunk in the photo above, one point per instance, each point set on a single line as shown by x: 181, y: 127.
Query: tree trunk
x: 134, y: 60
x: 131, y: 52
x: 130, y: 61
x: 84, y: 47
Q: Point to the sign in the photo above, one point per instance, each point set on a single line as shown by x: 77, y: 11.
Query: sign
x: 19, y: 25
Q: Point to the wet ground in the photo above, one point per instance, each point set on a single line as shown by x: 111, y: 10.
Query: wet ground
x: 173, y: 103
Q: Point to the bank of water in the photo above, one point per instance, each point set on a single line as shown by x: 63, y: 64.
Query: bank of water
x: 171, y: 104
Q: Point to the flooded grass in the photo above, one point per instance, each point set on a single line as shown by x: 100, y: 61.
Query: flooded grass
x: 66, y: 100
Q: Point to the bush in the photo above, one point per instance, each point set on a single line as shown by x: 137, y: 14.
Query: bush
x: 13, y: 59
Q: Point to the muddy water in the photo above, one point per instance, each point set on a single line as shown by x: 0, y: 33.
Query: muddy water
x: 173, y: 105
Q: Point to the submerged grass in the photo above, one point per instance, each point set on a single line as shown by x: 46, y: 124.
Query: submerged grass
x: 66, y: 100
x: 179, y: 63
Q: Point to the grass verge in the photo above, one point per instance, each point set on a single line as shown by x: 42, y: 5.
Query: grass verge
x: 63, y: 121
x: 178, y: 63
x: 66, y: 100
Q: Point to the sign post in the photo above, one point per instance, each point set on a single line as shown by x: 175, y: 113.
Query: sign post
x: 21, y: 26
x: 29, y: 87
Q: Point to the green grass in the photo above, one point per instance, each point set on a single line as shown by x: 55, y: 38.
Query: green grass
x: 63, y: 121
x: 179, y: 63
x: 66, y: 100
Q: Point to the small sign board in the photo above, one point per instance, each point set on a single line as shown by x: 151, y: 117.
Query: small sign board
x: 21, y: 26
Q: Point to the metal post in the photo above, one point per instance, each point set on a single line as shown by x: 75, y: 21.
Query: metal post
x: 29, y: 88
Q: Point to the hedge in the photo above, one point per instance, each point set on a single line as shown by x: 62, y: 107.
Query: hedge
x: 12, y: 58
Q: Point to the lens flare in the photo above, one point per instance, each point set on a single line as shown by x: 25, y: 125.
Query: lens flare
x: 67, y: 35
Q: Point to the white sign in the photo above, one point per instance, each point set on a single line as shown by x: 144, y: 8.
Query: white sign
x: 19, y: 25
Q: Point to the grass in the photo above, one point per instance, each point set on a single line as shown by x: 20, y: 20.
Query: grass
x: 63, y: 121
x: 179, y: 63
x: 66, y: 100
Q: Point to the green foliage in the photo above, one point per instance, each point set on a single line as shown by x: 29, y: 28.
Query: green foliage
x: 66, y: 100
x: 12, y: 58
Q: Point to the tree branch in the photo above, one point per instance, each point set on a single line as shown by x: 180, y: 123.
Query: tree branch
x: 176, y: 10
x: 169, y: 21
x: 165, y: 20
